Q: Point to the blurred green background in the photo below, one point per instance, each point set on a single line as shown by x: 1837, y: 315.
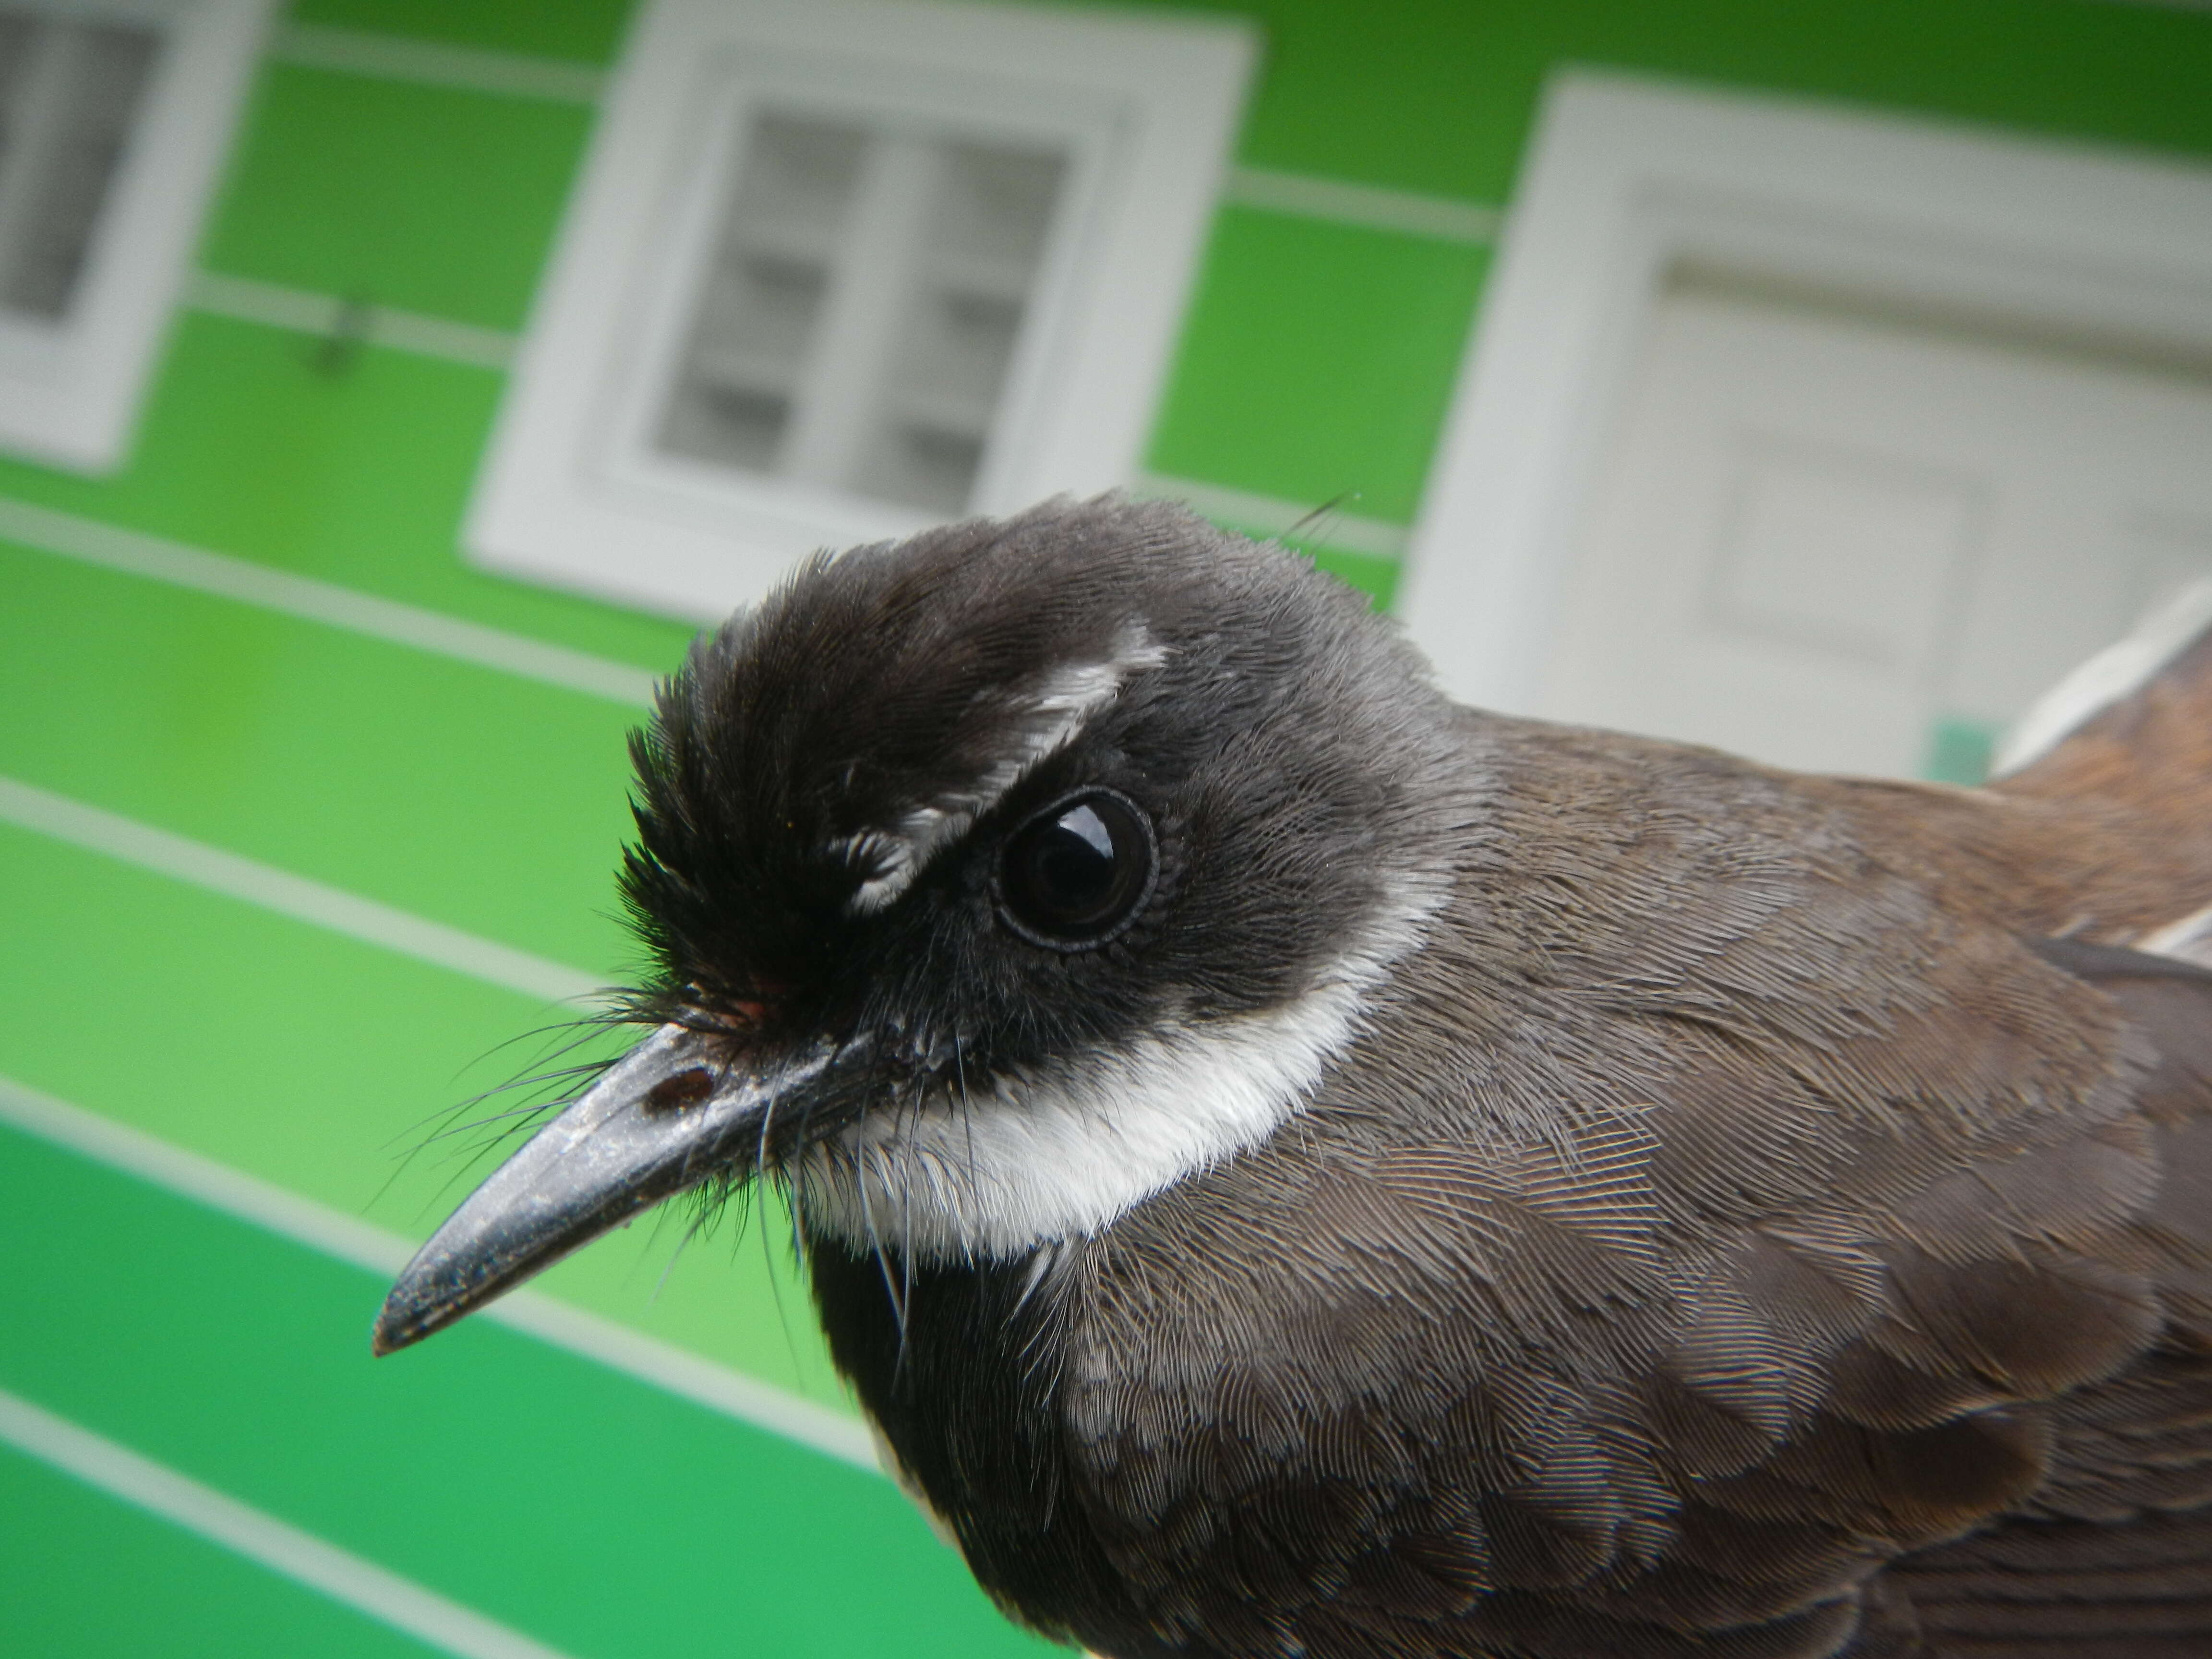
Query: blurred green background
x: 153, y: 733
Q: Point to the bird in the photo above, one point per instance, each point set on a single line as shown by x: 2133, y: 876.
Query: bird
x: 1291, y: 1165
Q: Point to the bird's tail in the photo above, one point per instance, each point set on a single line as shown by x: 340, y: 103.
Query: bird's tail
x: 2130, y: 731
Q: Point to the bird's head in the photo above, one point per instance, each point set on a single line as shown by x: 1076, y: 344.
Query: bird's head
x: 995, y: 880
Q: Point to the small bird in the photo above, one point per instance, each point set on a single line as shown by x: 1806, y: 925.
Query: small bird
x: 1293, y: 1166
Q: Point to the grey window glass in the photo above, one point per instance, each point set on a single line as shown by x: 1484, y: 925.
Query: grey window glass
x: 867, y: 288
x: 69, y: 94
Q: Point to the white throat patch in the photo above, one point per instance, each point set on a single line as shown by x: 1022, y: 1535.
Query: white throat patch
x: 1048, y: 719
x: 1032, y: 1159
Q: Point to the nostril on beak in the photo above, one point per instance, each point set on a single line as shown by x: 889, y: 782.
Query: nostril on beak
x: 685, y: 1088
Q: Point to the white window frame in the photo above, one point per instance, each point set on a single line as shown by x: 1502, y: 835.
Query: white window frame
x: 1628, y: 180
x: 70, y: 388
x: 573, y: 491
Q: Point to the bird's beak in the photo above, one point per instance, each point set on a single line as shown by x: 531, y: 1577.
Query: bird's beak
x: 673, y: 1112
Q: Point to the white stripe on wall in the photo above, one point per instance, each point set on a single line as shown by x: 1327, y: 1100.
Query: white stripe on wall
x: 1272, y: 515
x: 137, y: 554
x: 1371, y: 207
x: 384, y: 1254
x: 511, y: 74
x: 342, y: 321
x: 297, y: 897
x: 284, y: 1549
x: 434, y: 63
x: 323, y: 315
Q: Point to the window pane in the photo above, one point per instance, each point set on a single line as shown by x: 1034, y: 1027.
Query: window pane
x: 69, y: 96
x: 868, y: 287
x: 763, y: 300
x: 984, y: 240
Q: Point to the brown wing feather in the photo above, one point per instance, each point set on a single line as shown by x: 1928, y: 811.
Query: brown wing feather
x: 2112, y: 1556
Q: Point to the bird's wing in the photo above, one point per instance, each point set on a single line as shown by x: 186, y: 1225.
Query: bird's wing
x: 1790, y: 1274
x: 2113, y: 1556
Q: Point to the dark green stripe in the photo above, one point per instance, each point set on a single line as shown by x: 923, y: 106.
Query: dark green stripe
x: 557, y: 1495
x: 585, y: 30
x: 84, y: 1575
x: 1439, y: 95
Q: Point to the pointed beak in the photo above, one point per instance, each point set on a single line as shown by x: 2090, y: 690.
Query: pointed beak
x: 671, y: 1114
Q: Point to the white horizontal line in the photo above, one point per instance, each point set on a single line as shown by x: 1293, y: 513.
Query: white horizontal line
x: 701, y: 1380
x: 297, y: 897
x: 429, y: 63
x: 283, y: 1548
x: 1439, y: 218
x: 1271, y: 516
x: 329, y: 318
x: 433, y: 64
x: 350, y: 1239
x: 137, y: 554
x: 203, y: 1180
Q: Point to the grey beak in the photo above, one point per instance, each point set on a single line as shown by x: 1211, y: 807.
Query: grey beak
x: 670, y: 1114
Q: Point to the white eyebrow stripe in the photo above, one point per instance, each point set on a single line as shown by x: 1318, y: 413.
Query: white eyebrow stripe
x: 1065, y: 702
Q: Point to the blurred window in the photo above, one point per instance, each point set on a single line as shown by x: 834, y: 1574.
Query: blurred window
x: 114, y: 116
x: 840, y: 271
x: 866, y: 290
x: 69, y: 92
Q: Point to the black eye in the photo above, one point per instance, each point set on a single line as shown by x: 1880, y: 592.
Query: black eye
x: 1075, y: 874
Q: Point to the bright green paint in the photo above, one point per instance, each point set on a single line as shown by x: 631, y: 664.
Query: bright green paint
x: 1317, y: 362
x: 1438, y: 96
x: 596, y: 1513
x: 1371, y: 574
x: 422, y: 197
x: 589, y: 30
x: 326, y: 1067
x: 84, y: 1575
x: 490, y: 803
x: 359, y: 476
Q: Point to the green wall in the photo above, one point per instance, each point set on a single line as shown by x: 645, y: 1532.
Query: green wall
x: 575, y: 1502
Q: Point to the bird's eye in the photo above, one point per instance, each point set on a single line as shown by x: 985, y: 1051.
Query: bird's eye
x: 1078, y: 872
